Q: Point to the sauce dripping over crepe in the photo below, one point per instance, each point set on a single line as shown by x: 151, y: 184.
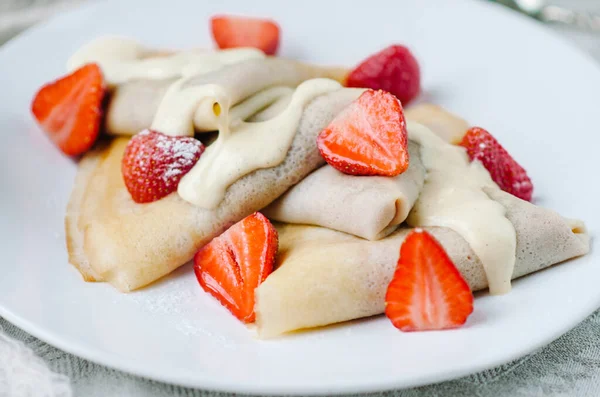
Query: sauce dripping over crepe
x: 240, y: 147
x: 453, y: 194
x: 122, y: 60
x: 453, y: 197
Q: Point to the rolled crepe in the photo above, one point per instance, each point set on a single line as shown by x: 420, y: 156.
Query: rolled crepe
x: 368, y: 207
x: 111, y: 238
x: 132, y: 105
x: 324, y: 276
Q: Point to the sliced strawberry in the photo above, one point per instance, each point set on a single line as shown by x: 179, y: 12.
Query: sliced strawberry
x: 69, y: 109
x: 393, y: 69
x: 427, y: 292
x: 234, y: 264
x: 154, y: 163
x: 231, y: 31
x: 368, y: 137
x: 503, y: 169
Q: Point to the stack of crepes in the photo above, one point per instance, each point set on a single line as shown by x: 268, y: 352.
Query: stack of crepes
x: 339, y: 235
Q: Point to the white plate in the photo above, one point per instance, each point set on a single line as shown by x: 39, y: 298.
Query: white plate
x: 533, y: 91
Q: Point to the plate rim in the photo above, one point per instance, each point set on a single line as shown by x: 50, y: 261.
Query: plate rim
x: 127, y: 365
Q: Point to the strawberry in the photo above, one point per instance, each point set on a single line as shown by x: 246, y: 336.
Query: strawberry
x: 69, y: 109
x: 394, y: 69
x: 154, y: 163
x: 427, y: 292
x: 368, y: 137
x: 503, y: 169
x: 231, y: 31
x: 234, y: 264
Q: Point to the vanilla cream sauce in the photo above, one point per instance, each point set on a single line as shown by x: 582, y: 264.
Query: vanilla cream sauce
x: 240, y: 148
x: 123, y: 59
x: 453, y: 197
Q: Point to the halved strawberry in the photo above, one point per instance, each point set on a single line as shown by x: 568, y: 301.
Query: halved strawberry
x: 69, y: 109
x: 394, y: 69
x: 154, y: 163
x: 234, y: 264
x: 503, y: 169
x: 368, y: 137
x: 427, y: 292
x: 232, y: 31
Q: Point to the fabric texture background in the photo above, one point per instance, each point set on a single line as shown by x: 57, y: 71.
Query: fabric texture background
x: 570, y: 366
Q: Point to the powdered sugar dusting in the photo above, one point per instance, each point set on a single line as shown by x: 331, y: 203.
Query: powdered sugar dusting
x: 181, y: 304
x: 154, y: 163
x: 508, y: 174
x: 182, y: 151
x: 172, y: 171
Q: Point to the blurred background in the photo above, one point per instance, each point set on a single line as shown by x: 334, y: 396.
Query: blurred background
x: 579, y: 19
x: 18, y: 15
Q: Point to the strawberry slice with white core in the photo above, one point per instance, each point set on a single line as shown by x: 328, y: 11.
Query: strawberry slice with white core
x: 368, y: 137
x: 233, y: 265
x: 427, y: 291
x: 69, y: 109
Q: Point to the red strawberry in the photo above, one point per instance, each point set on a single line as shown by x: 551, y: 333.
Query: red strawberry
x: 368, y: 137
x: 154, y: 163
x: 503, y: 169
x: 70, y: 109
x: 393, y: 69
x: 234, y: 264
x: 230, y: 32
x: 427, y: 291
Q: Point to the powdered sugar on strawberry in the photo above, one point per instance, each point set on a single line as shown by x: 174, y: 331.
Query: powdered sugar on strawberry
x: 183, y: 154
x: 154, y: 163
x: 504, y: 170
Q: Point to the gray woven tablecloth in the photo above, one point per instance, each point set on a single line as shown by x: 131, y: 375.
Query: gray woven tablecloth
x: 570, y: 366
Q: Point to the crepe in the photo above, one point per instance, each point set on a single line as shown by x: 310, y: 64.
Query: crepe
x: 446, y: 125
x: 324, y: 276
x: 132, y: 105
x: 111, y: 238
x: 368, y: 207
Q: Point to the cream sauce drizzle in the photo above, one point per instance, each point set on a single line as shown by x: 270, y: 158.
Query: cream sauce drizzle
x: 452, y: 197
x: 175, y: 114
x: 240, y: 148
x: 123, y: 59
x: 205, y: 119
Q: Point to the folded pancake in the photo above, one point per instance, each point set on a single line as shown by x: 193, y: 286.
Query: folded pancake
x: 111, y: 238
x: 368, y: 207
x: 324, y: 276
x: 133, y: 104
